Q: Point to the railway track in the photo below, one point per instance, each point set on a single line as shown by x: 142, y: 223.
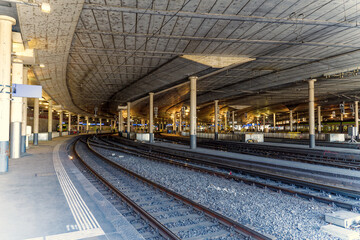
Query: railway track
x: 327, y: 158
x: 203, y: 166
x: 318, y: 143
x: 172, y: 215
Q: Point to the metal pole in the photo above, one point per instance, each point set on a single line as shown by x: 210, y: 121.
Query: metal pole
x: 291, y: 120
x: 36, y: 122
x: 319, y: 119
x: 16, y: 112
x: 24, y: 115
x: 193, y: 80
x: 311, y: 114
x: 5, y: 60
x: 100, y: 124
x: 128, y: 120
x: 151, y: 120
x: 216, y: 110
x: 357, y: 118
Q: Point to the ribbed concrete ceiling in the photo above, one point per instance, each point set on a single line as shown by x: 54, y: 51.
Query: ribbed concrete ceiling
x: 123, y: 49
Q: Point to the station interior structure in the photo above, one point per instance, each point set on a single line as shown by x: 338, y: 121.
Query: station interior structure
x: 262, y: 89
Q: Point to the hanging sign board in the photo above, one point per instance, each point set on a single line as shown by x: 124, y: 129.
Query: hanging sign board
x: 28, y: 91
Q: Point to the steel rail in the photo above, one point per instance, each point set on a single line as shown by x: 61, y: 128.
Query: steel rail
x: 242, y: 229
x: 220, y: 163
x: 327, y: 158
x: 235, y: 178
x: 163, y: 230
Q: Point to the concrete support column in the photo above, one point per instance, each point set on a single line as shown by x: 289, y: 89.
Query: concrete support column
x: 319, y: 119
x: 78, y: 124
x: 291, y: 120
x: 24, y: 115
x: 36, y: 122
x: 61, y: 123
x: 121, y: 121
x: 5, y: 60
x: 193, y: 80
x: 128, y: 120
x: 311, y: 114
x: 180, y: 122
x: 233, y: 121
x: 274, y: 120
x: 114, y: 121
x: 69, y: 126
x: 173, y: 122
x: 264, y: 122
x: 151, y: 120
x: 357, y: 118
x: 16, y: 112
x: 100, y: 122
x: 225, y: 120
x: 87, y: 124
x: 50, y: 120
x: 216, y: 110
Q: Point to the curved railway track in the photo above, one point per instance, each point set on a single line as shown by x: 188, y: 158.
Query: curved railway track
x: 172, y: 215
x: 203, y: 166
x: 312, y: 156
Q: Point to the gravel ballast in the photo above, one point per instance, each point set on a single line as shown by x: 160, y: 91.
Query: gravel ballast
x: 280, y: 215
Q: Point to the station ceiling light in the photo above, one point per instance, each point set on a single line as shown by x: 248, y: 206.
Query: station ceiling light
x: 45, y: 7
x: 216, y: 61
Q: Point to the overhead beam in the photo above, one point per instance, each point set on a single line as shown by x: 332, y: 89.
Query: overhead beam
x: 114, y: 65
x: 86, y: 49
x: 221, y: 40
x: 115, y: 54
x: 241, y: 18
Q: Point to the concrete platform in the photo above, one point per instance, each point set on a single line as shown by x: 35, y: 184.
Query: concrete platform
x: 45, y: 196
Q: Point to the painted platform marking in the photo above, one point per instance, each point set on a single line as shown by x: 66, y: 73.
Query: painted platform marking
x: 85, y: 220
x: 82, y: 214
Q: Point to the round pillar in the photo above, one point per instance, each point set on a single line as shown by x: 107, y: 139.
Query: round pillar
x: 69, y: 125
x: 5, y: 60
x: 36, y: 122
x: 50, y: 120
x: 151, y: 120
x: 24, y: 115
x: 216, y: 122
x: 193, y: 80
x: 61, y: 123
x: 311, y: 113
x: 16, y: 112
x: 128, y: 120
